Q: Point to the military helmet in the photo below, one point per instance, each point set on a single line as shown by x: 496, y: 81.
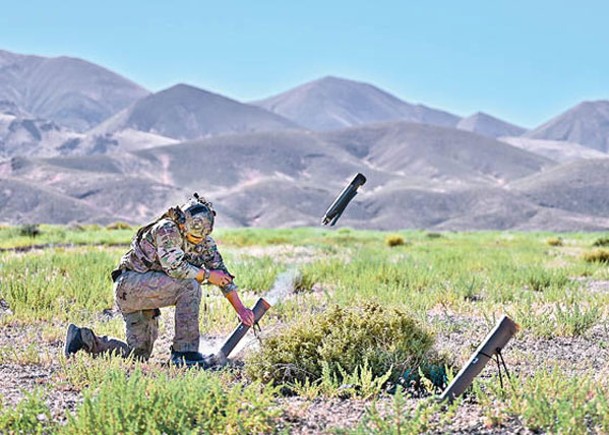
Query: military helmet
x: 198, y: 216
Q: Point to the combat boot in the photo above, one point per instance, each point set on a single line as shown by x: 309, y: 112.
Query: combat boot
x: 191, y: 359
x: 74, y: 341
x: 77, y: 339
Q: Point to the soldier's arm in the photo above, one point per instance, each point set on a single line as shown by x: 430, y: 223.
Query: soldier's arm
x: 214, y: 261
x: 229, y: 289
x: 171, y: 256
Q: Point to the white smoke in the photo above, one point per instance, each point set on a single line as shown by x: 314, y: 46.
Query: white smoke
x: 284, y: 285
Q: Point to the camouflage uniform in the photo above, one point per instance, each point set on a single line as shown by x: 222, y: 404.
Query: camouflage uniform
x: 159, y: 271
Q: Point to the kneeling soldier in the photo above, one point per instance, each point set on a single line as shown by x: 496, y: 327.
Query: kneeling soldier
x: 168, y: 260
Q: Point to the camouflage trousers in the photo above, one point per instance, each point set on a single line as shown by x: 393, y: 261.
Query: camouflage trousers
x: 139, y: 296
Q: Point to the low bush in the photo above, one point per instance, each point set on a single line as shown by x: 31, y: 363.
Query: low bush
x: 31, y: 415
x: 30, y: 230
x: 434, y: 235
x: 340, y: 341
x: 597, y: 256
x: 549, y: 401
x: 76, y: 227
x: 555, y: 241
x: 559, y: 320
x: 399, y: 418
x: 173, y: 403
x: 118, y: 226
x: 538, y: 279
x: 602, y: 241
x: 394, y: 240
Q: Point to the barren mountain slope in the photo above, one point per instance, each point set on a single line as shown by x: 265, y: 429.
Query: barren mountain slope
x: 185, y: 112
x: 22, y: 202
x: 471, y: 208
x: 24, y: 136
x: 109, y: 185
x: 418, y: 177
x: 330, y: 103
x: 228, y: 162
x: 489, y: 126
x: 579, y: 187
x: 69, y: 91
x: 437, y: 153
x: 559, y: 151
x: 586, y: 124
x: 279, y: 203
x: 27, y: 136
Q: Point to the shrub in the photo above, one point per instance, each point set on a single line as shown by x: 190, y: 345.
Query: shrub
x: 555, y: 241
x: 394, y: 240
x: 548, y: 401
x: 119, y: 226
x: 542, y: 279
x: 603, y: 241
x: 75, y: 226
x: 339, y: 341
x: 597, y: 256
x: 31, y: 415
x: 434, y: 235
x: 398, y: 418
x: 29, y: 230
x: 174, y: 403
x: 559, y: 320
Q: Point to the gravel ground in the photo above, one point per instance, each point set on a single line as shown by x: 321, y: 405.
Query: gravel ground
x: 524, y: 355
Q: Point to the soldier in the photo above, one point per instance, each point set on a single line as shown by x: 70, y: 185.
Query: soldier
x: 168, y: 261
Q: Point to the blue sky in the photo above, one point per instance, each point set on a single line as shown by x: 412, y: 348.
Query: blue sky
x: 523, y: 61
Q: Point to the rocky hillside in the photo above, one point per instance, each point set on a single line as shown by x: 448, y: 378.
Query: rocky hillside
x: 559, y: 151
x: 488, y: 125
x: 330, y: 103
x: 185, y: 112
x: 586, y: 124
x: 419, y: 177
x: 70, y: 92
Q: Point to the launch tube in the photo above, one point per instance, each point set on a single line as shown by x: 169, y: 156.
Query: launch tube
x: 259, y: 309
x: 340, y: 203
x: 490, y: 346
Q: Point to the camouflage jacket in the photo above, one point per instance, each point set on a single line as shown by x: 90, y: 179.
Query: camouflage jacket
x: 160, y: 246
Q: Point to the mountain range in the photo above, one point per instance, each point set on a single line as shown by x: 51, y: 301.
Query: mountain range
x: 79, y: 143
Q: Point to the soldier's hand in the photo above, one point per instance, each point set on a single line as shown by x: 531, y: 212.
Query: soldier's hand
x: 246, y: 316
x: 219, y: 278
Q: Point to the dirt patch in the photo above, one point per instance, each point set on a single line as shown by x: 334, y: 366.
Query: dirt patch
x: 598, y: 286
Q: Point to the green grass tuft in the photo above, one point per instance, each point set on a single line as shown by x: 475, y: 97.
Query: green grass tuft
x: 190, y: 401
x: 597, y: 256
x: 30, y: 416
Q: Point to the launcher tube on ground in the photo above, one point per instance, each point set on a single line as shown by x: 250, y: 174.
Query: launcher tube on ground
x: 490, y: 346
